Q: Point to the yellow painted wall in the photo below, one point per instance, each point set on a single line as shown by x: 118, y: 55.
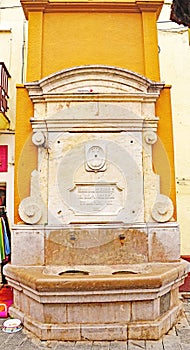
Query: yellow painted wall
x: 163, y: 149
x: 94, y: 38
x: 58, y: 40
x: 150, y: 40
x: 63, y: 40
x: 35, y: 39
x: 174, y: 47
x: 25, y: 151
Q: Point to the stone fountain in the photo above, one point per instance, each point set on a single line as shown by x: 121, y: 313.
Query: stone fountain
x: 97, y: 255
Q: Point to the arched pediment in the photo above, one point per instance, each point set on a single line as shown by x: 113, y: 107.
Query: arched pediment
x: 99, y: 97
x: 94, y: 79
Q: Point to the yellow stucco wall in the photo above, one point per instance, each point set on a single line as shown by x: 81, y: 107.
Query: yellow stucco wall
x: 25, y: 151
x: 174, y: 47
x: 96, y: 38
x: 163, y: 149
x: 117, y: 36
x: 59, y: 40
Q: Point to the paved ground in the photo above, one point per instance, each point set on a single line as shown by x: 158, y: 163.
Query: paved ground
x: 178, y: 338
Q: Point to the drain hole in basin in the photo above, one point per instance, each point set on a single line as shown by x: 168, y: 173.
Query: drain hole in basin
x: 124, y: 273
x: 73, y: 272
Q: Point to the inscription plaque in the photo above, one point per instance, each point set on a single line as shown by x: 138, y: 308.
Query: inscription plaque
x: 96, y: 197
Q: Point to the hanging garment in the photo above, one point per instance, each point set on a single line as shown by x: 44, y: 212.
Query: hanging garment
x: 2, y: 247
x: 5, y: 242
x: 7, y: 226
x: 6, y: 238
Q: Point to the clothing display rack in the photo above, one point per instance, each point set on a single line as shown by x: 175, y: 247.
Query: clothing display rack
x: 5, y: 240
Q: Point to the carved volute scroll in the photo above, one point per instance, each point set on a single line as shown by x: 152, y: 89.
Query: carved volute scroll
x: 163, y: 209
x: 29, y: 211
x: 32, y: 209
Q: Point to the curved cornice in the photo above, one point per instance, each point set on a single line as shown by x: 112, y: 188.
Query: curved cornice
x: 56, y: 6
x: 93, y: 79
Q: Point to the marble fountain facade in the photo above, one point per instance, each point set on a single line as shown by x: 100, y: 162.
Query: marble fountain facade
x: 97, y: 255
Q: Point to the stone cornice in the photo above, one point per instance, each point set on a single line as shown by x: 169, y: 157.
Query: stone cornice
x: 83, y: 97
x: 94, y: 125
x: 51, y: 6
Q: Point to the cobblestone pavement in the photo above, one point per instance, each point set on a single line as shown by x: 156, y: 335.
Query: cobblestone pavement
x: 178, y: 338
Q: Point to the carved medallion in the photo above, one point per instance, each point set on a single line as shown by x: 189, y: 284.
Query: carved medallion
x: 95, y: 158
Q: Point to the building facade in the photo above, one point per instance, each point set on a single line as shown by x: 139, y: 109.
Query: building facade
x: 174, y: 48
x: 12, y: 55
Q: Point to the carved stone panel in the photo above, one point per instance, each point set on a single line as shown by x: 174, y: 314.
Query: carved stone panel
x: 95, y: 178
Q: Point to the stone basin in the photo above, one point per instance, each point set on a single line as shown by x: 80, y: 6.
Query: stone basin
x: 94, y: 277
x: 97, y: 270
x: 97, y: 302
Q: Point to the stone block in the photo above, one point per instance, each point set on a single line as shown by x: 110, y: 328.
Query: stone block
x: 55, y: 313
x: 99, y: 313
x: 53, y: 332
x: 165, y: 302
x: 174, y: 301
x: 21, y: 300
x: 32, y: 308
x: 30, y: 245
x: 164, y: 242
x: 143, y: 331
x: 146, y: 310
x: 104, y: 332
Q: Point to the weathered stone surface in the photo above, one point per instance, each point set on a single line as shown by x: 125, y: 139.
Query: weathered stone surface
x: 145, y: 311
x: 104, y: 332
x: 29, y: 242
x: 164, y: 242
x: 99, y: 246
x: 101, y: 313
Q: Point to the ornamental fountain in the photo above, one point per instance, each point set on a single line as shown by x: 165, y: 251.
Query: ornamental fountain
x: 99, y: 248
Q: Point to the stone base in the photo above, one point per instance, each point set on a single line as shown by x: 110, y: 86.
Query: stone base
x: 99, y: 332
x: 95, y: 303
